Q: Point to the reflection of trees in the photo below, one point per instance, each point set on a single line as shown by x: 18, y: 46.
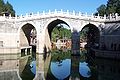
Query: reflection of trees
x: 59, y: 53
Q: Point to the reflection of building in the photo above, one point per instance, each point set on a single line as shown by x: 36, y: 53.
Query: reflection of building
x: 108, y: 69
x: 62, y: 43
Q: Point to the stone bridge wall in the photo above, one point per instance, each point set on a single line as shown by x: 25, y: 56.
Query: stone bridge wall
x: 10, y: 30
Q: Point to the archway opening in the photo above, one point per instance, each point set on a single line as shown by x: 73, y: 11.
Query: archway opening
x: 90, y: 35
x: 58, y: 34
x: 59, y: 24
x: 89, y: 40
x: 27, y: 60
x: 57, y: 30
x: 28, y: 38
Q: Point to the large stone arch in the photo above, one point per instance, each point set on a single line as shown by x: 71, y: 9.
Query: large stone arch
x: 51, y: 24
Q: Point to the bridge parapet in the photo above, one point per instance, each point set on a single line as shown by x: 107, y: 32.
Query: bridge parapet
x: 61, y: 13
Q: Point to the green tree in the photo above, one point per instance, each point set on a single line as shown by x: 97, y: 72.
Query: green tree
x: 101, y: 10
x: 59, y: 32
x: 2, y: 6
x: 9, y: 9
x: 6, y: 8
x: 112, y: 6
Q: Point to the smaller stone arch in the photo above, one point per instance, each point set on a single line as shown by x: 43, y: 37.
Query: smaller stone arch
x: 26, y: 30
x: 27, y: 34
x: 24, y: 23
x: 90, y: 23
x: 93, y: 35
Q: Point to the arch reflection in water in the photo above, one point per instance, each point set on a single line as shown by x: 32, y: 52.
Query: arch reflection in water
x: 29, y: 71
x: 33, y: 66
x: 84, y: 69
x: 61, y: 70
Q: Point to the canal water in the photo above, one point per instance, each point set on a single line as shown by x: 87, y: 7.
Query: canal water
x: 63, y: 66
x: 29, y: 70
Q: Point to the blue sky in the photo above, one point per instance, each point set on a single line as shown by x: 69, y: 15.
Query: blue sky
x: 28, y: 6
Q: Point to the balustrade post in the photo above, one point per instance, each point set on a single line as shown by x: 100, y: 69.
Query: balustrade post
x: 55, y: 11
x: 21, y: 16
x: 38, y: 13
x: 9, y: 15
x: 79, y: 13
x: 110, y: 16
x: 16, y: 16
x: 98, y: 16
x: 105, y: 16
x: 49, y: 12
x: 67, y: 12
x: 61, y: 11
x: 43, y: 12
x: 86, y: 14
x: 116, y: 16
x: 26, y: 15
x: 3, y: 15
x: 73, y: 12
x: 92, y: 15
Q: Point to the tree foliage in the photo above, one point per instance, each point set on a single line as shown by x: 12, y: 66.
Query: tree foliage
x: 101, y: 10
x: 6, y: 8
x: 112, y: 6
x: 59, y: 32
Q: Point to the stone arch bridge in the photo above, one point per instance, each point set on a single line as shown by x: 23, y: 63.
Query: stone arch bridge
x: 14, y: 32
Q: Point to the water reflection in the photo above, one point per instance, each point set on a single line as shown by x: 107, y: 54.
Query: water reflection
x: 108, y: 69
x: 84, y: 69
x: 33, y: 66
x: 29, y: 70
x: 63, y: 66
x: 61, y: 70
x: 75, y: 67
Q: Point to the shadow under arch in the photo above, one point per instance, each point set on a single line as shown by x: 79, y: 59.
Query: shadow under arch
x: 27, y: 44
x: 92, y: 34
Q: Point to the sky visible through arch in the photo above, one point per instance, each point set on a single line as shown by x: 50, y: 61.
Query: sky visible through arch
x: 29, y: 6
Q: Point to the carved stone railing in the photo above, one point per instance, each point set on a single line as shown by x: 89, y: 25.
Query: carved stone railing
x: 61, y: 13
